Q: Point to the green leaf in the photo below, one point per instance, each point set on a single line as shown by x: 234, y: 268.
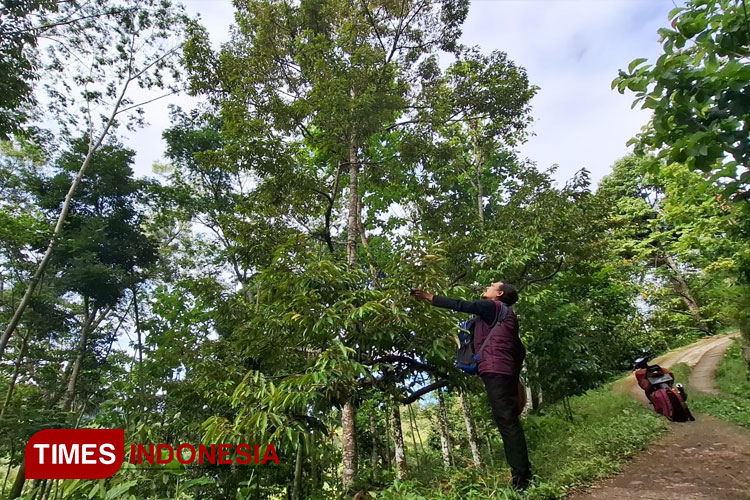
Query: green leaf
x: 120, y: 489
x: 635, y: 62
x: 674, y: 12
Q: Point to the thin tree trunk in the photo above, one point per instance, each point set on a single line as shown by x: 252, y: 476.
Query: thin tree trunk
x: 17, y: 488
x: 7, y: 469
x: 60, y: 390
x: 16, y: 371
x: 419, y: 436
x: 314, y: 468
x: 93, y: 148
x: 683, y: 290
x: 138, y: 327
x: 349, y: 430
x: 297, y: 487
x: 349, y: 414
x: 445, y: 440
x: 71, y: 389
x: 478, y: 164
x: 480, y: 201
x: 414, y: 437
x: 398, y: 438
x: 745, y: 344
x: 366, y: 244
x: 387, y: 439
x: 352, y: 223
x: 91, y: 323
x: 471, y: 429
x: 489, y: 447
x: 536, y: 397
x: 374, y: 451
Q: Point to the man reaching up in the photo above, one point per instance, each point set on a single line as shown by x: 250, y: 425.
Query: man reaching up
x: 499, y: 366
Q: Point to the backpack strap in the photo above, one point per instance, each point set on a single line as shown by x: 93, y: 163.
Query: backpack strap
x: 501, y: 314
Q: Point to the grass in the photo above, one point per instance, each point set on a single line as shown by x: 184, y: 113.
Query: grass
x: 731, y: 376
x: 733, y: 405
x: 607, y: 430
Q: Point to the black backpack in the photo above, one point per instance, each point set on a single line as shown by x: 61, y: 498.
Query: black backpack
x: 466, y: 358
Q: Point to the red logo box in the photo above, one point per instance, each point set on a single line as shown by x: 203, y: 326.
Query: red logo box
x: 74, y: 453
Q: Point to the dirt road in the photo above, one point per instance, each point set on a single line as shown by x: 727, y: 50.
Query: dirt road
x: 705, y: 459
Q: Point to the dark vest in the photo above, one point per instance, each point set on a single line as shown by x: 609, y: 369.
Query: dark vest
x: 505, y: 352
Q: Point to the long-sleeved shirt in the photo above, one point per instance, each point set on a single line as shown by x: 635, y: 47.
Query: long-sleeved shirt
x: 485, y: 309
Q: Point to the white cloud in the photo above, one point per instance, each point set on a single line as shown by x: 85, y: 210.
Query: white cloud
x: 572, y: 51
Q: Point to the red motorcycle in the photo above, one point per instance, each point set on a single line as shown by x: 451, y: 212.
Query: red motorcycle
x: 667, y: 398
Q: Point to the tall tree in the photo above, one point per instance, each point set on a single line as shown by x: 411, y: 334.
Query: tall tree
x: 334, y: 74
x: 648, y: 239
x: 83, y: 57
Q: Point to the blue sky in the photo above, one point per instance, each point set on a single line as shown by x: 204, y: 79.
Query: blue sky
x: 571, y: 49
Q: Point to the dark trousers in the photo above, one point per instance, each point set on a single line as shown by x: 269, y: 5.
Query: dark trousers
x: 502, y: 393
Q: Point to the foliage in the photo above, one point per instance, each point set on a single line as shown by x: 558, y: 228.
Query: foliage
x: 699, y: 90
x: 608, y: 429
x: 671, y: 237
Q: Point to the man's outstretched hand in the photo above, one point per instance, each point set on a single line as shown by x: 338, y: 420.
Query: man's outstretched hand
x: 421, y: 295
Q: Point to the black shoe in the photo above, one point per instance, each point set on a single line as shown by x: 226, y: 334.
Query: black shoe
x: 522, y: 483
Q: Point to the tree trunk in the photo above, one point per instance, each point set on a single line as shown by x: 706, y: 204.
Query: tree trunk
x: 478, y: 165
x: 17, y: 488
x: 412, y: 426
x: 138, y: 327
x: 16, y: 371
x: 93, y: 148
x: 352, y: 222
x: 445, y: 440
x: 745, y: 343
x: 297, y: 487
x: 489, y: 445
x: 536, y: 397
x: 71, y: 389
x: 683, y: 290
x: 7, y: 470
x: 349, y: 430
x: 416, y: 427
x: 398, y: 438
x: 471, y: 429
x: 314, y: 468
x: 387, y: 439
x: 349, y: 414
x: 374, y: 451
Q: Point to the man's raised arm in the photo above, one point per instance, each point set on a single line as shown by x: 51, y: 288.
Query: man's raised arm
x: 483, y: 308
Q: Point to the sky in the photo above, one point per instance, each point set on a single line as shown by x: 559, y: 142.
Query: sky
x: 571, y: 49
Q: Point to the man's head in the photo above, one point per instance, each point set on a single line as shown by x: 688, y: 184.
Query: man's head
x: 501, y: 291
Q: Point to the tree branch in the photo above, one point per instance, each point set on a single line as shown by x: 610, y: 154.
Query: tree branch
x: 545, y: 278
x: 421, y: 392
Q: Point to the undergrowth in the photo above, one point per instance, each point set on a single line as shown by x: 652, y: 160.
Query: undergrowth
x: 606, y: 430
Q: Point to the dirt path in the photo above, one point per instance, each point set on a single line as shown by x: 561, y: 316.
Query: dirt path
x: 705, y: 459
